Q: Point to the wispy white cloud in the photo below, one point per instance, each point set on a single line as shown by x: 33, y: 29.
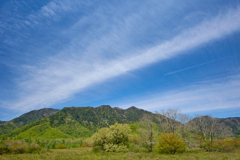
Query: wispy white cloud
x: 53, y: 9
x: 62, y: 77
x: 184, y: 69
x: 15, y: 19
x: 211, y: 95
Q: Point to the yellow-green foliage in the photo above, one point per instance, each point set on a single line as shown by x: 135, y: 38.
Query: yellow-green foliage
x: 88, y: 142
x: 60, y: 146
x: 222, y: 145
x: 171, y: 143
x: 10, y: 146
x: 136, y: 139
x: 33, y: 147
x: 114, y: 138
x: 15, y: 146
x: 133, y: 127
x: 42, y: 131
x: 115, y: 148
x: 75, y: 130
x: 236, y: 143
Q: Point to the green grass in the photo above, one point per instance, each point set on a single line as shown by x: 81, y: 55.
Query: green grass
x: 86, y: 153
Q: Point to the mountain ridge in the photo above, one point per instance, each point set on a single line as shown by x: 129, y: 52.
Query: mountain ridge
x: 1, y: 122
x: 82, y: 121
x: 25, y: 119
x: 75, y: 122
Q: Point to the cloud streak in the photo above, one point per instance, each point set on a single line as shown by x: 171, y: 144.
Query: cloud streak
x: 206, y: 96
x: 184, y: 69
x: 60, y: 78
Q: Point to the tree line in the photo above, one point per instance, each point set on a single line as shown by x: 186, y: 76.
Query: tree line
x: 167, y: 131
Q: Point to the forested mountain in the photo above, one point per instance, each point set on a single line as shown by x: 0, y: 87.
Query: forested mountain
x: 75, y: 122
x: 79, y: 122
x: 26, y: 118
x: 1, y: 122
x: 233, y: 123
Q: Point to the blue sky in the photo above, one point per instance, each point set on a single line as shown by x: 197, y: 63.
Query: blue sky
x: 153, y: 54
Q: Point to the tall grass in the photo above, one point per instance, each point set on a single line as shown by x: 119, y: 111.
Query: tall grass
x: 52, y: 143
x: 86, y: 153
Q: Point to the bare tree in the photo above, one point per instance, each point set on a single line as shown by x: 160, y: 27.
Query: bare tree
x: 210, y: 128
x: 172, y: 120
x: 147, y: 132
x: 184, y: 128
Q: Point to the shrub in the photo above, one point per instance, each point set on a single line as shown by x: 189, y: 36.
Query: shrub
x: 112, y: 139
x: 60, y: 146
x: 110, y: 147
x: 33, y: 147
x: 236, y: 143
x: 132, y: 145
x: 115, y: 148
x: 18, y: 148
x: 122, y: 148
x: 88, y: 142
x: 3, y: 149
x: 207, y: 146
x: 224, y: 145
x: 171, y: 143
x: 221, y: 145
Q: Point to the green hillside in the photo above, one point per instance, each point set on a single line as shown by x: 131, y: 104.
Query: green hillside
x: 78, y: 122
x: 42, y: 131
x: 82, y: 122
x: 25, y: 119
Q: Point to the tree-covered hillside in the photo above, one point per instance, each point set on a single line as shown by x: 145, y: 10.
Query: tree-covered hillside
x: 1, y: 122
x: 233, y: 123
x: 81, y: 121
x: 26, y: 118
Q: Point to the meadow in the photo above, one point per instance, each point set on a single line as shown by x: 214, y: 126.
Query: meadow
x: 86, y: 153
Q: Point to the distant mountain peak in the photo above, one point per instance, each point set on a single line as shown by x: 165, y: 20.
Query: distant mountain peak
x: 133, y: 107
x: 105, y: 106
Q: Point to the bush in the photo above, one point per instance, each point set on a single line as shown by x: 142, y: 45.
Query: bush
x: 112, y: 139
x: 33, y: 147
x: 88, y: 142
x: 122, y: 148
x: 221, y: 145
x: 60, y: 146
x: 3, y: 149
x: 10, y: 146
x: 115, y: 148
x: 18, y: 148
x: 236, y: 143
x: 110, y: 147
x: 225, y: 145
x: 132, y: 145
x: 171, y: 143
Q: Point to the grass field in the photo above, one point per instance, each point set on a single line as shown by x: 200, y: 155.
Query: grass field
x: 86, y: 153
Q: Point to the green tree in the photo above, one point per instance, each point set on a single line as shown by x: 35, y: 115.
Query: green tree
x: 171, y: 143
x: 114, y: 138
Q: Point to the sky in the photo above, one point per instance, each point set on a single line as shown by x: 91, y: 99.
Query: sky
x: 153, y: 54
